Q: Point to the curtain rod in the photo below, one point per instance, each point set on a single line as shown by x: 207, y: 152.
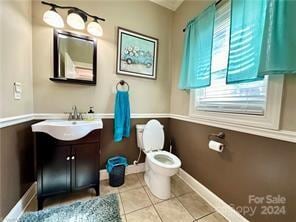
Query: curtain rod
x: 217, y: 2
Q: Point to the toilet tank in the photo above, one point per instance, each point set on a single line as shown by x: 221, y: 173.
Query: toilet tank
x: 140, y: 129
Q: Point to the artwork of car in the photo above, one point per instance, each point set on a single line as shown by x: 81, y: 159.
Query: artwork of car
x: 133, y: 55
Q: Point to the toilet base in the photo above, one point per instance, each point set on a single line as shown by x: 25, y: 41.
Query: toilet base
x: 159, y: 185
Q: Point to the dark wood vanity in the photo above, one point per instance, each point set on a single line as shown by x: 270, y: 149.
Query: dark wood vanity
x: 66, y: 166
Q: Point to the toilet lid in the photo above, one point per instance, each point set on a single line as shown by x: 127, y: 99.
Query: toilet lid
x: 153, y: 136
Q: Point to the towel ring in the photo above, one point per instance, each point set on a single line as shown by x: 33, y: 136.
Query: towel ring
x: 122, y: 82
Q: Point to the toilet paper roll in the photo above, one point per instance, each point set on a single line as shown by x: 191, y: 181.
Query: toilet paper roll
x: 213, y: 145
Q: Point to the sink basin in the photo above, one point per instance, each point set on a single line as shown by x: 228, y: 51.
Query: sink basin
x: 67, y: 130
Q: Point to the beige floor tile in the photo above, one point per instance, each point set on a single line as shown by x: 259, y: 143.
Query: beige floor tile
x: 195, y: 205
x: 173, y: 211
x: 215, y: 217
x: 134, y: 200
x: 120, y: 204
x: 153, y: 198
x: 144, y: 215
x: 131, y: 182
x: 123, y: 218
x: 179, y: 187
x: 105, y: 188
x: 141, y: 178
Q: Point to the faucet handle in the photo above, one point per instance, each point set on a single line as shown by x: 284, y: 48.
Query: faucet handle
x: 80, y: 115
x: 70, y: 115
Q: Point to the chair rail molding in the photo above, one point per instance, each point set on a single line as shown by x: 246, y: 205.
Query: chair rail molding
x: 285, y: 135
x: 10, y: 121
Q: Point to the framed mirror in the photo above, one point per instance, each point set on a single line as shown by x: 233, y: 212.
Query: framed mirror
x: 75, y: 58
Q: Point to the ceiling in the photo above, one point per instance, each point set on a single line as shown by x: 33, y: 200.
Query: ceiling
x: 170, y: 4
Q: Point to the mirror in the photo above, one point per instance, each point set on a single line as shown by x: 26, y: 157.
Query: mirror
x: 75, y: 58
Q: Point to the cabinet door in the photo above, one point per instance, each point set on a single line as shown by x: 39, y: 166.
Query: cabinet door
x: 54, y: 175
x: 85, y: 165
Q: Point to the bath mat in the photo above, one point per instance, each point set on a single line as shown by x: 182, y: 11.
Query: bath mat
x: 99, y: 209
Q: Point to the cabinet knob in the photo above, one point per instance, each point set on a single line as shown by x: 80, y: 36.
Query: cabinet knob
x: 68, y: 158
x: 73, y: 158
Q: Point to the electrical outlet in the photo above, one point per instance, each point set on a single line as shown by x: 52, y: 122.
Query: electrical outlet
x: 17, y: 90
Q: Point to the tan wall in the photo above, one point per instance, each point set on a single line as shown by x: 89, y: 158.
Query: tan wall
x: 188, y: 10
x: 288, y: 121
x: 180, y: 99
x: 147, y: 96
x: 15, y: 56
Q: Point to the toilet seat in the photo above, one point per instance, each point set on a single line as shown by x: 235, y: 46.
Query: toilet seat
x: 153, y: 136
x: 164, y: 159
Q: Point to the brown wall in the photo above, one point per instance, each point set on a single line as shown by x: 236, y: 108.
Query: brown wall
x: 250, y: 165
x: 128, y: 147
x: 16, y: 164
x: 17, y: 157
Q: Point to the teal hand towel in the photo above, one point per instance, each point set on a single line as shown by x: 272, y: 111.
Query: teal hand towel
x: 122, y: 116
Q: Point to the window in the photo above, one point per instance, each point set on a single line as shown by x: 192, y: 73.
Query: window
x: 247, y: 98
x: 243, y: 103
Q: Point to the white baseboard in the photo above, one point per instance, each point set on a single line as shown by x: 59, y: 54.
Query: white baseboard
x: 22, y: 204
x: 216, y: 202
x: 130, y: 169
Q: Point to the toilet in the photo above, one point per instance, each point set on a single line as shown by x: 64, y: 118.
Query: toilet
x: 160, y: 165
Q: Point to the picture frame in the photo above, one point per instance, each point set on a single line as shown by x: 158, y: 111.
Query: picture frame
x: 137, y: 54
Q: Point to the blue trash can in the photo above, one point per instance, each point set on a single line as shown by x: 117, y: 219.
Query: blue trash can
x: 116, y: 169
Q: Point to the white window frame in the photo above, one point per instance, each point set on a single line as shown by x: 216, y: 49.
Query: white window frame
x: 270, y: 119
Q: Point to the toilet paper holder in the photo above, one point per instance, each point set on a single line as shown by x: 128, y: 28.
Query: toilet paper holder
x: 220, y: 135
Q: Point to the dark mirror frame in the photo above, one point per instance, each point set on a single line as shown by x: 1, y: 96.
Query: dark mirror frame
x: 56, y: 75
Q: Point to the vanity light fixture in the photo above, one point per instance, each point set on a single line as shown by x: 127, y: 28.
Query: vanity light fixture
x: 52, y: 18
x: 95, y: 28
x: 76, y: 19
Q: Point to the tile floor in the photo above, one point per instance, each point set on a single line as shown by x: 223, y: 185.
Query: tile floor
x: 137, y: 203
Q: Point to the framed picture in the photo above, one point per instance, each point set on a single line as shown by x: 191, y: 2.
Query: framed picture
x: 136, y: 54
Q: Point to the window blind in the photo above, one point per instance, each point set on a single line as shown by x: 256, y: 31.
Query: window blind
x: 245, y: 98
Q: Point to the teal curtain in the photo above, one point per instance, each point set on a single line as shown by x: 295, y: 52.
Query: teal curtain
x: 197, y: 54
x: 278, y: 54
x: 262, y: 39
x: 246, y: 32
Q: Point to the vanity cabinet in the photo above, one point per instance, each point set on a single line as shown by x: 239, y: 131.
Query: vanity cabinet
x: 66, y: 166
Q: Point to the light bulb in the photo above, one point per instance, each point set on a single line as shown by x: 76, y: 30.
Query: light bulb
x: 52, y: 18
x: 75, y: 20
x: 95, y: 28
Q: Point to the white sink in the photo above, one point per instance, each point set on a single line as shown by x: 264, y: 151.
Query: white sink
x: 67, y: 129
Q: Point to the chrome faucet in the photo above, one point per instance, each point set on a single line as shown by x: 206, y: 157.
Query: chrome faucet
x: 75, y: 112
x: 74, y: 115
